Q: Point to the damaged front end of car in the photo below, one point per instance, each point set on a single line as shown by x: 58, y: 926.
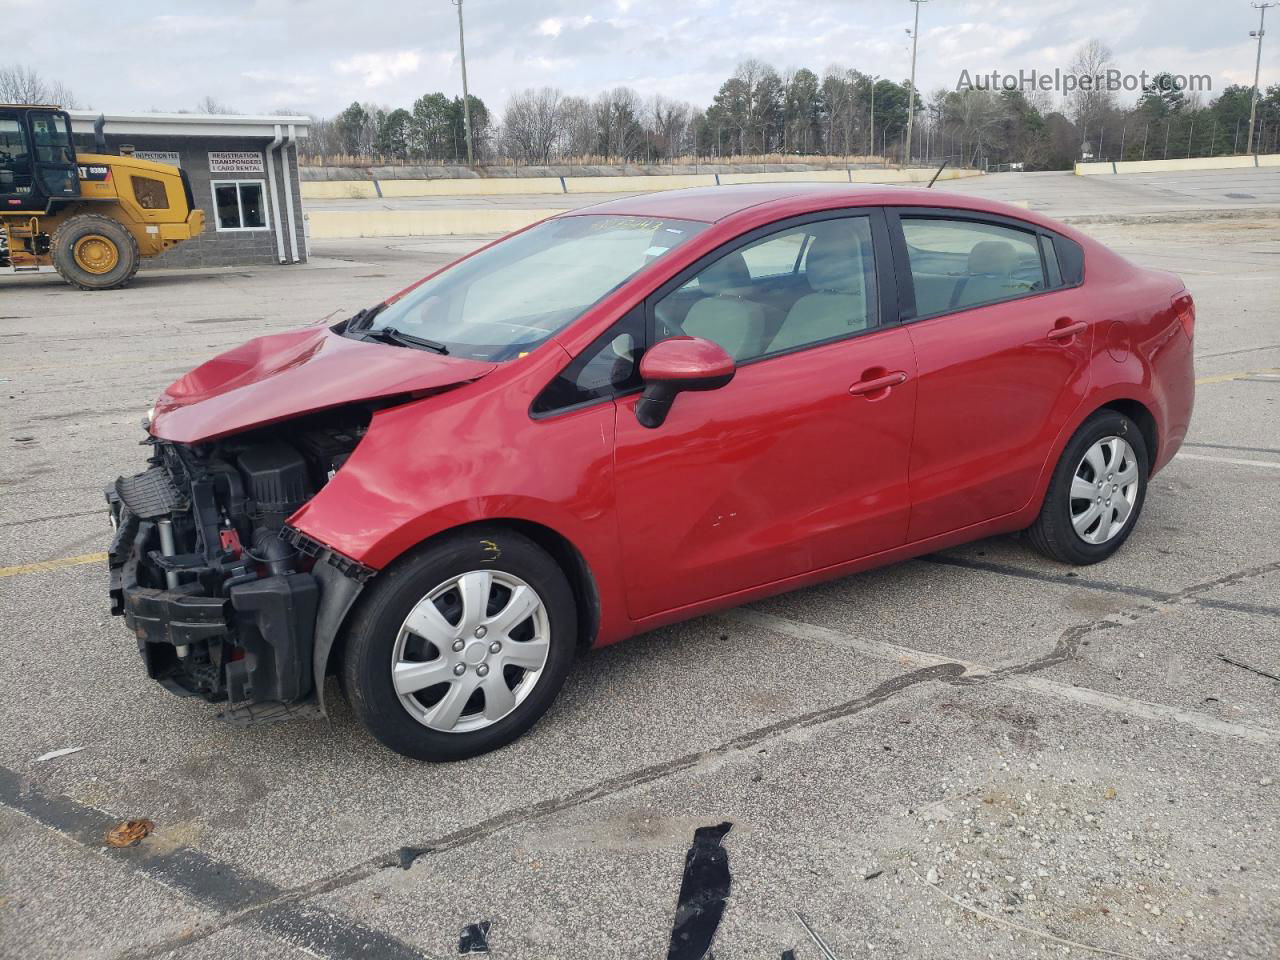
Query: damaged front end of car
x: 226, y: 601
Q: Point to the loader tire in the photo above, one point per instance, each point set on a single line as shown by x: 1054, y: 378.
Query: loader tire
x: 94, y: 252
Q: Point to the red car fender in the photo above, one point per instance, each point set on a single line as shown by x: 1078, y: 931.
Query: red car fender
x: 1126, y: 382
x: 399, y: 489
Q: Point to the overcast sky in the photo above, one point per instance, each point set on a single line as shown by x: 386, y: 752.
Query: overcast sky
x: 316, y: 56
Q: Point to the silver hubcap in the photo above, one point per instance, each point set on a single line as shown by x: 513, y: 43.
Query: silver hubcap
x: 471, y: 651
x: 1104, y: 490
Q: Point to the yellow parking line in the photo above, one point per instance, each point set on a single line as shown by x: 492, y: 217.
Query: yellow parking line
x: 45, y: 565
x: 1239, y: 375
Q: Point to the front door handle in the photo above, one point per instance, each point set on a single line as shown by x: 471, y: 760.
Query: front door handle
x: 878, y: 383
x: 1068, y: 330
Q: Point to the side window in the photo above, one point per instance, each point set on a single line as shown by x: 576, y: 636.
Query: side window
x: 777, y: 257
x: 150, y: 193
x: 964, y: 263
x: 608, y: 367
x: 803, y: 285
x: 1052, y: 271
x: 15, y: 161
x: 1070, y: 260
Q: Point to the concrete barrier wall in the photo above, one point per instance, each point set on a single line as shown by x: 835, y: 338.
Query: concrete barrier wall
x: 470, y: 187
x: 1175, y: 166
x: 508, y: 186
x: 639, y: 184
x: 337, y: 189
x: 342, y: 224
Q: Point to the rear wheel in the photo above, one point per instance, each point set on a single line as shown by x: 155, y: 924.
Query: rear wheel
x: 94, y: 252
x: 460, y: 649
x: 1097, y: 491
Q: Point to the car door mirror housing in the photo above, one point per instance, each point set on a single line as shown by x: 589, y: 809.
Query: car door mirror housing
x: 675, y: 365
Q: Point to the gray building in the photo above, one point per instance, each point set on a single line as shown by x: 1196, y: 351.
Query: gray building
x: 243, y: 172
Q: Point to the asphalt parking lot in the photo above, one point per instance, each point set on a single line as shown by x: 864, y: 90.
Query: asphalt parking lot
x: 976, y: 754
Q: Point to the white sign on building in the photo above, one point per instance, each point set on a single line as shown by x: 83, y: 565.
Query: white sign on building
x: 235, y: 161
x: 170, y: 157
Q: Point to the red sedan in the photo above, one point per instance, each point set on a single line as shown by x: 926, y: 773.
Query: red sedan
x: 626, y: 416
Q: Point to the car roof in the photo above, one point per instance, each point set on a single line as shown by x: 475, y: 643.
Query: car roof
x: 716, y: 204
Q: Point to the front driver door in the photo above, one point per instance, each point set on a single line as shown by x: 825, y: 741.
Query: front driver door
x: 801, y: 461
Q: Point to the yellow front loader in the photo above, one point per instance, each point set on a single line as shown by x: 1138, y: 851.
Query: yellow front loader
x: 92, y: 217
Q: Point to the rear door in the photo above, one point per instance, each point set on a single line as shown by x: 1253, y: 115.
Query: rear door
x: 1002, y: 346
x: 800, y: 462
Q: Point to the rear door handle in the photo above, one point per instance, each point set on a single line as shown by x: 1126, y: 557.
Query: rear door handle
x: 878, y: 383
x: 1068, y: 330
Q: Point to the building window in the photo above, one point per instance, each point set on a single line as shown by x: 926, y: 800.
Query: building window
x: 240, y: 204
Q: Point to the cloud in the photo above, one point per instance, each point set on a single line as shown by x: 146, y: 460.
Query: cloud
x: 378, y: 69
x: 317, y: 57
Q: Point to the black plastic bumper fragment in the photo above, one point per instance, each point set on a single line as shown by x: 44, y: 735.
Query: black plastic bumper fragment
x: 308, y: 547
x: 174, y: 617
x: 281, y: 610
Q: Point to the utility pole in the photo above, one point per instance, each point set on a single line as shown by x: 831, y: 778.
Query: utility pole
x: 1257, y: 65
x: 871, y: 132
x: 466, y: 97
x: 911, y: 97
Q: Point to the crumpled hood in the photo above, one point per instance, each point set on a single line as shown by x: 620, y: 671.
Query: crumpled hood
x: 286, y: 375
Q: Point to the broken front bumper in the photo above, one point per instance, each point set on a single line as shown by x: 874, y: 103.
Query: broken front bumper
x: 254, y: 645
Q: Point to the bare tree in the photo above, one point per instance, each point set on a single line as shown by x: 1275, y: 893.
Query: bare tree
x: 210, y: 104
x: 532, y: 124
x: 21, y: 84
x: 578, y: 127
x: 668, y: 119
x: 618, y: 127
x: 1090, y: 102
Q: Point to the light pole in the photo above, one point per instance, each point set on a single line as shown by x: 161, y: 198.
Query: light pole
x: 466, y: 97
x: 1257, y: 65
x: 911, y: 97
x: 871, y: 131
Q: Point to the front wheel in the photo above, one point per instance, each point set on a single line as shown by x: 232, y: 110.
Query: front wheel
x: 1097, y: 491
x: 460, y: 649
x: 94, y: 252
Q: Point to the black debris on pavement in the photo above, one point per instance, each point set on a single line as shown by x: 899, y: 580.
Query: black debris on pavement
x: 703, y: 891
x: 407, y: 855
x: 475, y: 938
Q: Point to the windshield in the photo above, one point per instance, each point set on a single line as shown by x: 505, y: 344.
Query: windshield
x: 508, y: 299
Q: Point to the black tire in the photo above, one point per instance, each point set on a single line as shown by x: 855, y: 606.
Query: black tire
x: 76, y: 229
x: 375, y: 626
x: 1053, y: 533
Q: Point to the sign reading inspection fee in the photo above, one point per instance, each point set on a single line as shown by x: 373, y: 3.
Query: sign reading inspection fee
x: 235, y: 161
x: 171, y: 157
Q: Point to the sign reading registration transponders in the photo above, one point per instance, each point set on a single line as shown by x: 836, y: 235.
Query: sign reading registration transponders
x: 235, y: 161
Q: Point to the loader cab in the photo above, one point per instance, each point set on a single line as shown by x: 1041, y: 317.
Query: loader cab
x: 37, y: 159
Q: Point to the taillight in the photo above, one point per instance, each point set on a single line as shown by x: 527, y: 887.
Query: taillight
x: 1185, y: 307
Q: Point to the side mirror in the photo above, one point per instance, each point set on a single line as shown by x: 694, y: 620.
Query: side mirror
x: 675, y: 365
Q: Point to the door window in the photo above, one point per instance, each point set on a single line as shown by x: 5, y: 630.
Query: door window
x: 800, y: 286
x: 608, y: 367
x: 964, y: 263
x: 15, y: 159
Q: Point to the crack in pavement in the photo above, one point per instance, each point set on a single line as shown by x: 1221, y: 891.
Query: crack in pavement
x: 224, y: 888
x: 1120, y: 589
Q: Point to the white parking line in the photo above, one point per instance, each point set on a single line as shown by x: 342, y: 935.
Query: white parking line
x: 1265, y: 464
x: 1130, y: 706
